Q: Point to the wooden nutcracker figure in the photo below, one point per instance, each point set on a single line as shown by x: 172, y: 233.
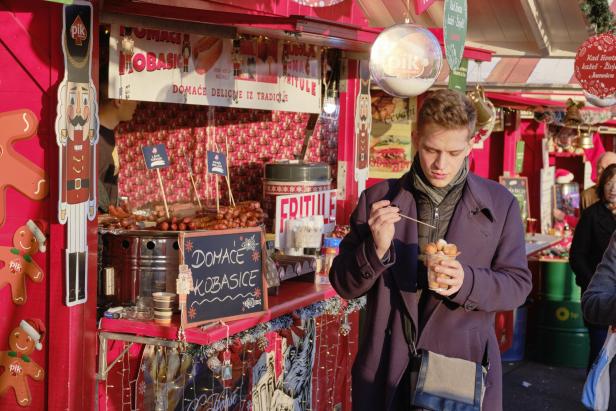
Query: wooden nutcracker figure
x: 185, y: 53
x: 363, y: 126
x: 77, y: 135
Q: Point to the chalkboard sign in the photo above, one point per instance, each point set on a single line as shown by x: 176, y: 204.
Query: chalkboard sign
x: 227, y: 269
x: 518, y: 186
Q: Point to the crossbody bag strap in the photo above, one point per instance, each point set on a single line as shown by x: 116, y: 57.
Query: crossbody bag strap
x: 485, y: 360
x: 409, y: 333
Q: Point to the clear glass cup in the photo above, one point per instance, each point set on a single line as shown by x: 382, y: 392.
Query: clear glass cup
x: 432, y: 260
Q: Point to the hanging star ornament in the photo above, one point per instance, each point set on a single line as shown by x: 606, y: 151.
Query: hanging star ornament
x: 17, y: 171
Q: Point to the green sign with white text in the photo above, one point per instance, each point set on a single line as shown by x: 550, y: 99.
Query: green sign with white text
x: 519, y: 157
x: 454, y: 24
x: 457, y: 77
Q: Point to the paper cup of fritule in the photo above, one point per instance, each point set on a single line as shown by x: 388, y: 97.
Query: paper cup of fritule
x: 433, y: 254
x: 163, y: 307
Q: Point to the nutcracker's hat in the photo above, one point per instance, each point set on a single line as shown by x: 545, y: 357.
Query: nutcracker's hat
x: 77, y: 40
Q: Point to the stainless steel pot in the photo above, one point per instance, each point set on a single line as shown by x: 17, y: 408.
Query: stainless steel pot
x: 143, y: 262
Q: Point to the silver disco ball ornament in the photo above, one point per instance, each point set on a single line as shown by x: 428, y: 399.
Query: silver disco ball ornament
x: 405, y: 60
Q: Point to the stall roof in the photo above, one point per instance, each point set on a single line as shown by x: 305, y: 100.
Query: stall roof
x: 530, y: 101
x: 521, y: 73
x: 342, y: 26
x: 541, y: 28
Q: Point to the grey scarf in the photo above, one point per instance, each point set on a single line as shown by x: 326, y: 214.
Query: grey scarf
x: 435, y: 194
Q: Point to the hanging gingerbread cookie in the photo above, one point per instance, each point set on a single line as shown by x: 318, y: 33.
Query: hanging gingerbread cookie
x: 16, y: 170
x: 16, y: 262
x: 17, y: 365
x: 77, y: 135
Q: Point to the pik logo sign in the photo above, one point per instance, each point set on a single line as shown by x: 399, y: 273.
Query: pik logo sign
x: 79, y: 33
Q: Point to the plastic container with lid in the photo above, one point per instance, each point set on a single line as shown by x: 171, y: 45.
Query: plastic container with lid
x: 331, y: 246
x: 292, y: 177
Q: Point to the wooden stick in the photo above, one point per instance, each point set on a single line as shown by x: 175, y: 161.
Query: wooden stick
x: 190, y: 173
x: 196, y: 192
x: 231, y: 199
x: 162, y: 189
x: 217, y: 196
x: 228, y: 176
x: 417, y: 221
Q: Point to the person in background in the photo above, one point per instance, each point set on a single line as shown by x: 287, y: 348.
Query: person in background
x: 590, y: 240
x: 110, y: 113
x: 379, y: 258
x: 599, y: 302
x: 589, y: 196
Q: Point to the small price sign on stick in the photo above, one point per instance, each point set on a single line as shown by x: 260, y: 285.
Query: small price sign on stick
x: 156, y: 157
x: 217, y: 164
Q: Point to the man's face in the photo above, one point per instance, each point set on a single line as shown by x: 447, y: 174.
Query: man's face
x: 126, y: 109
x: 607, y: 160
x: 442, y: 152
x: 78, y: 107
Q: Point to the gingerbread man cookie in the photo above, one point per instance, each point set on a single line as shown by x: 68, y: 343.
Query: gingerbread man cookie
x: 17, y: 365
x: 16, y: 170
x: 18, y: 264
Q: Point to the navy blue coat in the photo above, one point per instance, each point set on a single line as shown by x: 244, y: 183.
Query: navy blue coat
x: 487, y: 228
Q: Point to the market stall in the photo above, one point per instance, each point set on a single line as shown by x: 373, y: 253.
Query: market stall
x: 301, y: 334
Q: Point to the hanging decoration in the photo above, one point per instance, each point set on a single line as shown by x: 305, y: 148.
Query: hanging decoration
x: 76, y: 136
x: 318, y: 3
x: 305, y: 358
x: 595, y: 65
x: 17, y: 171
x: 486, y: 115
x: 569, y: 135
x: 16, y: 262
x: 600, y: 102
x: 599, y: 15
x: 454, y: 31
x: 405, y: 60
x: 17, y: 365
x: 457, y: 77
x: 252, y: 335
x: 363, y: 127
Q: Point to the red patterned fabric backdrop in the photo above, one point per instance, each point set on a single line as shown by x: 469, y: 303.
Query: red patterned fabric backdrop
x: 252, y: 137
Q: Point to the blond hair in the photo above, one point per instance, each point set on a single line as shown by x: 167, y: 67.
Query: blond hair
x: 447, y: 109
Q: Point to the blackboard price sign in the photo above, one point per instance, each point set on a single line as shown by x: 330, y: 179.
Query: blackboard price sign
x: 518, y: 186
x: 227, y: 269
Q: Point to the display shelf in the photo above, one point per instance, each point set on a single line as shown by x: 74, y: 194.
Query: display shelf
x: 292, y: 295
x: 539, y: 242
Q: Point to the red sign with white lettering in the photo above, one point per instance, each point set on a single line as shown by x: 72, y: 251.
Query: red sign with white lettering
x: 295, y: 206
x: 422, y: 5
x: 595, y: 65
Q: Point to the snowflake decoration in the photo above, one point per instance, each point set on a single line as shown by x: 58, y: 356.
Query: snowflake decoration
x: 255, y: 256
x: 257, y: 293
x: 249, y: 244
x: 188, y: 245
x: 142, y: 387
x: 192, y: 313
x: 143, y: 367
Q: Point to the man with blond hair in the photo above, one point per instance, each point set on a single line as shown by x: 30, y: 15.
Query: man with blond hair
x: 379, y: 259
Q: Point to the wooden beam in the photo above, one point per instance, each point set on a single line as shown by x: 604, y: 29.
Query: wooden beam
x: 537, y: 26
